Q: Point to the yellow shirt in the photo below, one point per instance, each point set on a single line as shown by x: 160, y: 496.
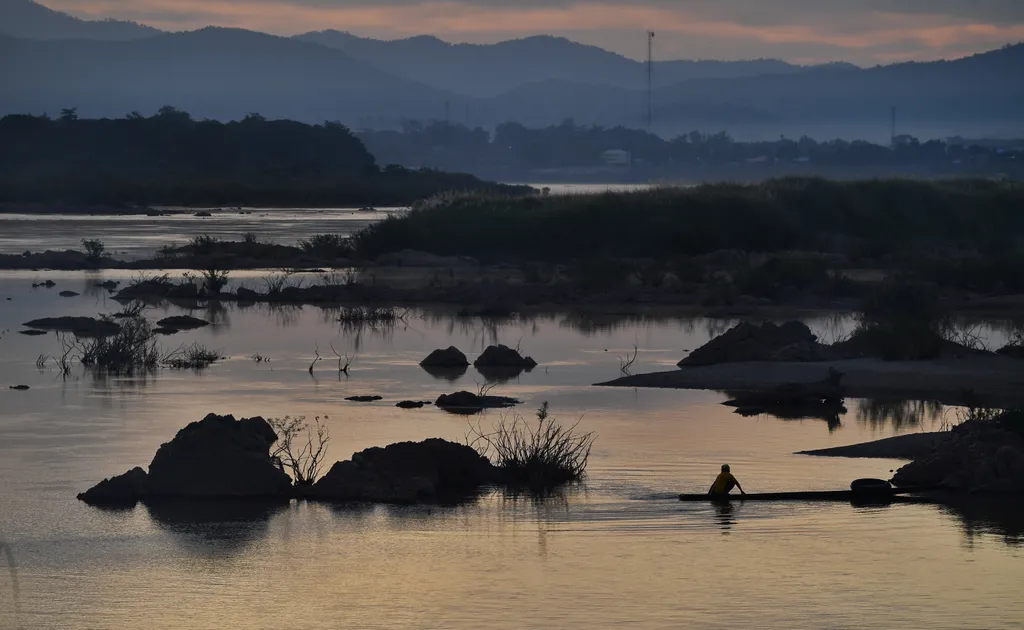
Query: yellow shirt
x: 723, y: 483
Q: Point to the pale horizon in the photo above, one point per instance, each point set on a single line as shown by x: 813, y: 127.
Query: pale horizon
x: 876, y: 32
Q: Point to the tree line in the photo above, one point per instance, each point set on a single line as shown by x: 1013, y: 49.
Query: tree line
x: 171, y: 158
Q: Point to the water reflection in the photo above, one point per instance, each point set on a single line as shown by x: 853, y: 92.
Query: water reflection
x: 993, y: 515
x: 900, y: 414
x: 450, y: 374
x: 501, y: 374
x: 214, y: 527
x: 725, y: 515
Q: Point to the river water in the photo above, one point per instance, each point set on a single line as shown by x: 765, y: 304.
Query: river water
x: 134, y: 236
x: 618, y: 551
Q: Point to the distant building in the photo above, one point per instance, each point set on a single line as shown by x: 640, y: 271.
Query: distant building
x: 616, y: 157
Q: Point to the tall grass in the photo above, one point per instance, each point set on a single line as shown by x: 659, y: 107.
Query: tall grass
x: 132, y: 349
x: 535, y: 456
x: 875, y: 217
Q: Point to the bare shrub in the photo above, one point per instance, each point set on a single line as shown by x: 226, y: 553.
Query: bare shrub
x: 214, y: 279
x: 193, y: 357
x: 132, y: 348
x: 94, y: 249
x: 326, y: 246
x: 538, y: 456
x: 302, y: 460
x: 626, y: 362
x: 375, y: 315
x: 131, y: 310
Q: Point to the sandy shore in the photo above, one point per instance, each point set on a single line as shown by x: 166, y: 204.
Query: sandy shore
x: 910, y: 446
x: 997, y: 381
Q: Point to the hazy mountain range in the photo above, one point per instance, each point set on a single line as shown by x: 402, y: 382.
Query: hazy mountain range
x: 49, y: 61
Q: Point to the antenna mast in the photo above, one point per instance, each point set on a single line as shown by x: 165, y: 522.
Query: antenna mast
x: 892, y: 128
x: 650, y: 77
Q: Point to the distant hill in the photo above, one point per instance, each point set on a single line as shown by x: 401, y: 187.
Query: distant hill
x: 211, y: 73
x: 489, y: 69
x: 30, y: 20
x: 980, y: 87
x: 226, y: 73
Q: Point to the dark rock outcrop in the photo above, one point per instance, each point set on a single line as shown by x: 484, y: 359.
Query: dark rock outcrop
x: 468, y: 402
x: 501, y: 356
x: 364, y: 398
x: 1011, y: 351
x: 21, y: 388
x: 81, y: 326
x: 450, y: 357
x: 411, y: 404
x: 408, y: 472
x: 68, y: 294
x: 49, y: 284
x: 32, y: 333
x: 979, y: 456
x: 792, y: 341
x: 182, y: 322
x: 218, y: 457
x: 450, y: 374
x: 122, y: 490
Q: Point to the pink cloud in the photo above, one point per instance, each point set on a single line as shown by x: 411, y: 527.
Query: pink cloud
x: 930, y: 36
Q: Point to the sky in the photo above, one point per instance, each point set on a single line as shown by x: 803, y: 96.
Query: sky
x: 865, y: 32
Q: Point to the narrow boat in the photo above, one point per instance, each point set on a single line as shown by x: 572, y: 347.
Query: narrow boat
x: 862, y: 490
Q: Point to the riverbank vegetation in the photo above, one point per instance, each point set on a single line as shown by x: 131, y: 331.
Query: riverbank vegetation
x: 872, y: 218
x: 171, y: 159
x: 535, y: 456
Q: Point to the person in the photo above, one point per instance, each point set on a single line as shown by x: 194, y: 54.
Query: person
x: 724, y: 483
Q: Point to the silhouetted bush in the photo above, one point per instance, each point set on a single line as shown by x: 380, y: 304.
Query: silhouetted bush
x: 326, y: 246
x: 884, y: 216
x: 535, y: 457
x: 902, y: 319
x: 175, y: 160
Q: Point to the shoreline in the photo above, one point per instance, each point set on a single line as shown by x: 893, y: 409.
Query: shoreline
x: 996, y: 380
x: 908, y: 447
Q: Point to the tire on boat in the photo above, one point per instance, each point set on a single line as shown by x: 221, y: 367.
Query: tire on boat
x: 870, y: 487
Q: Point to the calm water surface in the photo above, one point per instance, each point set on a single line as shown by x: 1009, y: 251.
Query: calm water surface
x: 130, y: 237
x: 618, y: 551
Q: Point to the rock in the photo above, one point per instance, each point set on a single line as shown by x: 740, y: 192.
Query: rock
x: 203, y: 213
x: 468, y: 402
x: 449, y: 374
x: 184, y: 291
x: 182, y: 322
x: 20, y: 388
x: 122, y: 490
x: 218, y: 457
x: 109, y: 285
x: 411, y: 404
x: 68, y: 294
x: 503, y: 356
x: 32, y: 333
x: 159, y: 330
x: 977, y: 456
x: 48, y: 284
x: 246, y: 294
x: 81, y: 326
x: 1012, y: 351
x: 364, y: 398
x: 793, y: 341
x: 408, y: 472
x: 450, y: 357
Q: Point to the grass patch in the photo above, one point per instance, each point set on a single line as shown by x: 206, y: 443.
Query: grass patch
x: 192, y: 357
x: 878, y: 216
x: 535, y: 456
x: 132, y: 349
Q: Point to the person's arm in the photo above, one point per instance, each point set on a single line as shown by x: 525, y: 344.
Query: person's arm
x: 738, y: 485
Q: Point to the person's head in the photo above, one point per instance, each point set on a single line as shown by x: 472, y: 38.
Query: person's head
x: 725, y: 467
